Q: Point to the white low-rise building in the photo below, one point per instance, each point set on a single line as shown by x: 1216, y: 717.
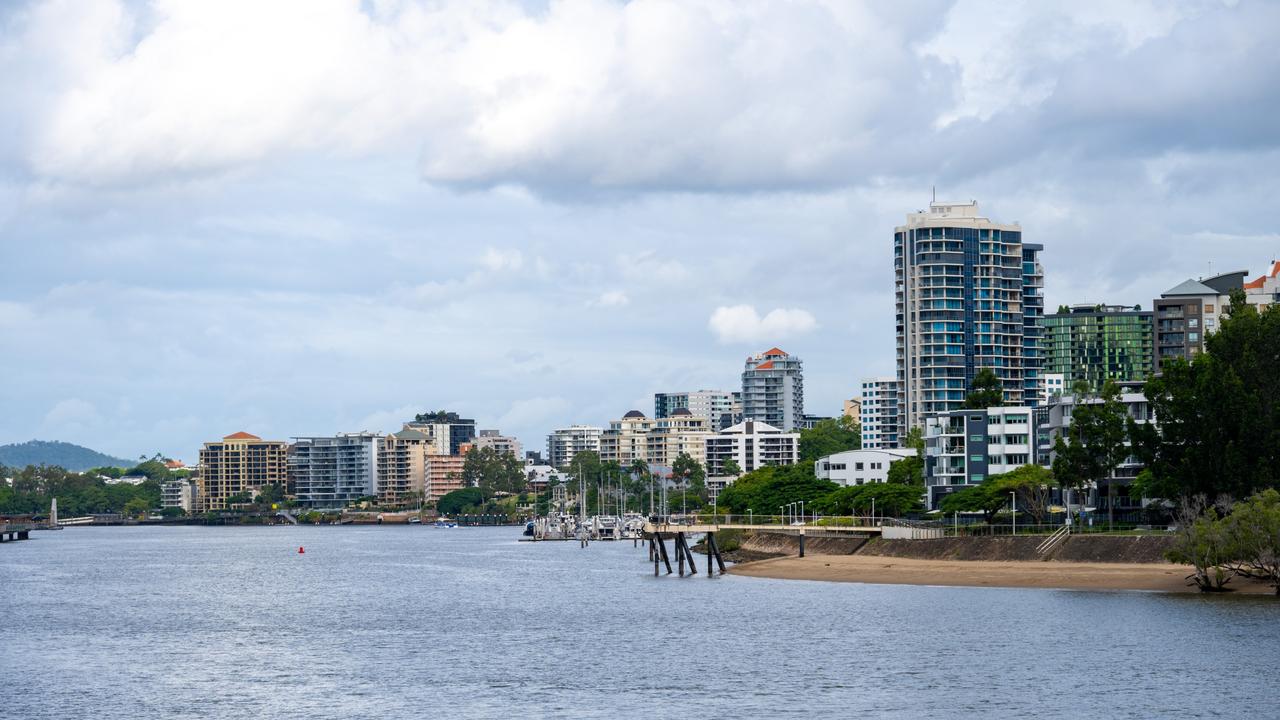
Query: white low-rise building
x: 751, y: 445
x: 179, y: 493
x: 540, y: 476
x: 860, y: 467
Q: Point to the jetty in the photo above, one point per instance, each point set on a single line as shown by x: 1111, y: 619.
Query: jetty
x: 678, y: 530
x: 10, y: 532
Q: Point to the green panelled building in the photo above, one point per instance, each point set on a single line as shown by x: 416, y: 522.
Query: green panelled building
x: 1096, y: 343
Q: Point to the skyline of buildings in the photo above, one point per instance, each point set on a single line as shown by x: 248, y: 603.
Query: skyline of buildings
x: 969, y: 296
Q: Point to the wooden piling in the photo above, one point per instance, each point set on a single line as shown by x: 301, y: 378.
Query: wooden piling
x: 662, y: 548
x: 715, y: 549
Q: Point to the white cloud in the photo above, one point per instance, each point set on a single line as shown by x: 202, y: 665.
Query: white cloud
x: 490, y: 93
x: 387, y: 420
x: 497, y: 260
x: 72, y: 411
x: 536, y: 411
x: 612, y: 298
x: 741, y: 323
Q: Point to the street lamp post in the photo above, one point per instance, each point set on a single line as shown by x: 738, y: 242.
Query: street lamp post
x: 781, y: 514
x: 1014, y: 517
x: 749, y: 517
x: 801, y: 511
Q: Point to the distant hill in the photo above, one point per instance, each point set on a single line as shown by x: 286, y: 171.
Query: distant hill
x: 62, y: 454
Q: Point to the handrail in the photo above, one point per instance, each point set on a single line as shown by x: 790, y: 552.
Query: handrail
x: 1052, y: 541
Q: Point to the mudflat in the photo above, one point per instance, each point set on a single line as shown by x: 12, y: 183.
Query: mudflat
x: 1156, y: 577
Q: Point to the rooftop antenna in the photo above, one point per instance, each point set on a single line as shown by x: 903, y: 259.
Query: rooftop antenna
x: 935, y: 193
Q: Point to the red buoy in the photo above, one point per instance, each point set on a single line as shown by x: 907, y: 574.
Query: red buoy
x: 300, y: 550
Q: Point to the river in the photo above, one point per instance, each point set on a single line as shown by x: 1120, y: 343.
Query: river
x: 393, y: 622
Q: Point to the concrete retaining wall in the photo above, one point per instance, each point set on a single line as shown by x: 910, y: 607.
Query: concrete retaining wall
x: 777, y: 544
x: 1077, y: 548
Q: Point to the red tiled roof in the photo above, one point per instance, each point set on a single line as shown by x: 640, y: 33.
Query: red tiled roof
x: 774, y: 352
x: 766, y: 365
x: 241, y: 436
x: 1258, y: 282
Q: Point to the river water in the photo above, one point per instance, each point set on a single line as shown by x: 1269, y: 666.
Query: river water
x: 392, y: 622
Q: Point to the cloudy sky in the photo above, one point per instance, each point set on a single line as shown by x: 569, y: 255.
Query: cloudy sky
x: 311, y: 216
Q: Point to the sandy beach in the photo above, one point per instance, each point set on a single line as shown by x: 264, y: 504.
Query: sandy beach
x: 1153, y: 577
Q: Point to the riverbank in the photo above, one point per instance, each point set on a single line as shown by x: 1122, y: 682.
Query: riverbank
x: 1151, y: 577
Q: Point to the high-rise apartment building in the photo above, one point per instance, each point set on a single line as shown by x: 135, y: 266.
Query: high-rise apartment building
x: 1189, y: 310
x: 444, y: 473
x: 239, y: 464
x: 564, y: 443
x: 402, y: 467
x: 1097, y: 343
x: 719, y: 407
x: 680, y: 433
x: 879, y: 419
x: 968, y: 296
x: 329, y: 472
x: 625, y: 441
x: 773, y: 389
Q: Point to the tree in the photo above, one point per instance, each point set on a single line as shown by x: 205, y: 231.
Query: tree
x: 689, y: 469
x: 1253, y: 528
x: 154, y: 468
x: 730, y: 468
x: 986, y: 391
x: 1031, y: 483
x: 270, y: 494
x: 1203, y: 543
x: 886, y: 499
x: 1089, y: 449
x: 983, y: 498
x: 769, y: 487
x: 137, y: 507
x: 1218, y: 429
x: 828, y: 437
x: 453, y: 503
x: 909, y: 470
x: 439, y: 416
x: 240, y: 498
x: 493, y: 471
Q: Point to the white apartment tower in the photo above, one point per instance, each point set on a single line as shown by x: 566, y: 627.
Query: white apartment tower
x: 564, y: 443
x: 773, y: 389
x: 879, y: 418
x: 332, y: 471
